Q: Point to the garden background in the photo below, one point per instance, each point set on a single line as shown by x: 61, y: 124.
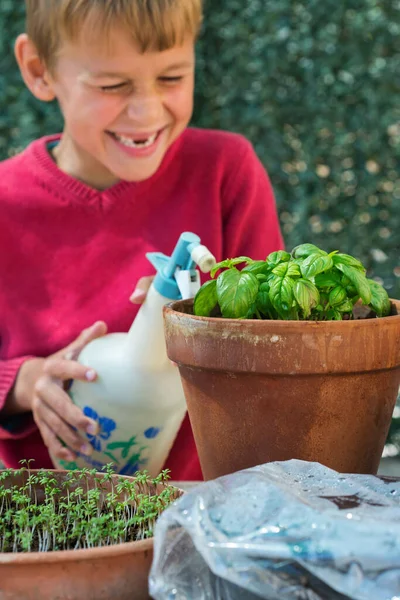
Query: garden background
x: 314, y: 85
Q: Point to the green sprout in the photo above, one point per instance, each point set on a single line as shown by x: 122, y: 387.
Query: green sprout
x: 86, y: 509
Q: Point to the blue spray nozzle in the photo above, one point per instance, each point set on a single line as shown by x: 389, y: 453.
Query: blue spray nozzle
x: 183, y: 258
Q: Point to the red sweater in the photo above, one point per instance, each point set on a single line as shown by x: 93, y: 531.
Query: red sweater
x: 71, y: 255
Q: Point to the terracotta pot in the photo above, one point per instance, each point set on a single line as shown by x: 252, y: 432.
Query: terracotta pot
x: 117, y: 572
x: 260, y: 391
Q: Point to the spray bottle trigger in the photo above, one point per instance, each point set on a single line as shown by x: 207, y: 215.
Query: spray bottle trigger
x: 188, y: 282
x: 158, y: 260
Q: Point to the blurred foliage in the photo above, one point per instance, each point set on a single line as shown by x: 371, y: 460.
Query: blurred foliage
x: 315, y: 86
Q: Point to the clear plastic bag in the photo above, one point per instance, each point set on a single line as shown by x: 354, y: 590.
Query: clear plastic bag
x: 281, y: 531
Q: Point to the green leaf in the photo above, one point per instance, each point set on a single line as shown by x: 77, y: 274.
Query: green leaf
x: 305, y: 250
x: 251, y: 313
x: 306, y: 295
x: 380, y: 301
x: 315, y: 264
x: 323, y: 298
x: 346, y: 307
x: 281, y: 294
x: 293, y: 270
x: 206, y: 299
x: 224, y: 264
x: 334, y: 315
x: 241, y: 259
x: 290, y: 269
x: 359, y: 281
x: 258, y: 267
x: 327, y: 280
x: 337, y: 296
x: 351, y: 291
x: 281, y: 269
x: 229, y: 263
x: 350, y: 261
x: 263, y: 301
x: 236, y: 292
x: 345, y: 281
x: 278, y: 257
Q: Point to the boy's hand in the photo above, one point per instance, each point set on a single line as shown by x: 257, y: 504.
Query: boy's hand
x: 53, y: 410
x: 142, y: 287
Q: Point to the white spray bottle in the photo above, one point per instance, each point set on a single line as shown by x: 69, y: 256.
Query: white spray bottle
x: 137, y: 398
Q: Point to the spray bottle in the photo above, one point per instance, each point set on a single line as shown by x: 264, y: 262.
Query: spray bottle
x: 137, y: 399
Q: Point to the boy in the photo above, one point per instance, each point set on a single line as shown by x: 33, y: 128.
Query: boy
x: 79, y: 211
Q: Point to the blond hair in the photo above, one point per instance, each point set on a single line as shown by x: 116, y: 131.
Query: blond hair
x: 152, y: 24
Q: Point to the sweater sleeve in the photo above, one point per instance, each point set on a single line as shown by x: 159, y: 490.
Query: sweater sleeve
x: 15, y: 426
x: 251, y: 225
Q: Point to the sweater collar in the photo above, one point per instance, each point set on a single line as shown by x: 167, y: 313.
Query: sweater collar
x: 40, y: 150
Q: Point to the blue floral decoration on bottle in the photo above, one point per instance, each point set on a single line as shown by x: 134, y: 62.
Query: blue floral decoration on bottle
x: 152, y: 433
x: 106, y: 427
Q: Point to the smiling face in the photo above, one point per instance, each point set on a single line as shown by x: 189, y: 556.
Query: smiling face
x: 122, y: 108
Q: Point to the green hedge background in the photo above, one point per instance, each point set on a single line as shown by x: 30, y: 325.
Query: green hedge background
x: 314, y: 85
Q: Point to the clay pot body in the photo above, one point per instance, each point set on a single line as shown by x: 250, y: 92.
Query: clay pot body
x: 117, y: 572
x: 260, y: 391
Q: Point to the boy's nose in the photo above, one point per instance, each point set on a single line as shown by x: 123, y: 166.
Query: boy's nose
x: 145, y: 109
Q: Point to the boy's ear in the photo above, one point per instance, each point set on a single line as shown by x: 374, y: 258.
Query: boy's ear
x: 33, y: 71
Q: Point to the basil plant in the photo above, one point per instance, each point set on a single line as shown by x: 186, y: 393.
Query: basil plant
x: 308, y: 284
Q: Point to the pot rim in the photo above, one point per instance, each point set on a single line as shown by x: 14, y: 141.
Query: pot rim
x: 280, y: 323
x: 81, y: 554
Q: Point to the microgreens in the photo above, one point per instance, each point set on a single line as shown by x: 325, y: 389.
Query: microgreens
x: 40, y: 511
x: 308, y: 284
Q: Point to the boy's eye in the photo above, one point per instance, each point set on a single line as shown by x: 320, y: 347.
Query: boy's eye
x: 170, y: 79
x: 113, y: 88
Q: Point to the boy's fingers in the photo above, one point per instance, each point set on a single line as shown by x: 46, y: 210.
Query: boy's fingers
x: 53, y: 395
x: 96, y: 330
x: 62, y: 430
x: 63, y: 369
x: 142, y: 287
x: 54, y: 445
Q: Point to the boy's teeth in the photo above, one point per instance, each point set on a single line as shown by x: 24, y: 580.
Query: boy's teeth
x: 132, y: 144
